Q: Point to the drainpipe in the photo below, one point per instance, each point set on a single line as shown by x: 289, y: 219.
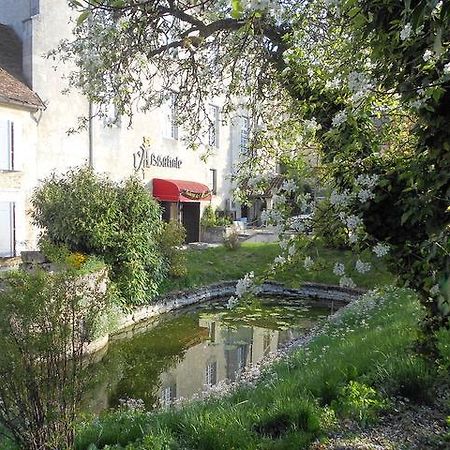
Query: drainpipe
x: 91, y: 137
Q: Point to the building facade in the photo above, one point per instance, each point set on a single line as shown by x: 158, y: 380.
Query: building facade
x: 37, y: 129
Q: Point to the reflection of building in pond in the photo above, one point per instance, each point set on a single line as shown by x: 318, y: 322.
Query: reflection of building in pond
x: 226, y: 352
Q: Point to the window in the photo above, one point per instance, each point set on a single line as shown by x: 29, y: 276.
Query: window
x: 7, y: 229
x: 213, y: 135
x: 34, y: 7
x: 245, y: 134
x: 241, y: 356
x: 6, y: 145
x: 167, y: 395
x: 172, y: 125
x: 211, y: 374
x: 213, y: 185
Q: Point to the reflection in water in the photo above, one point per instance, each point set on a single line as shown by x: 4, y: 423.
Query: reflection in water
x: 181, y: 355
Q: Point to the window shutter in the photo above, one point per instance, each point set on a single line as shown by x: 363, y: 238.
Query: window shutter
x: 6, y: 145
x: 7, y: 247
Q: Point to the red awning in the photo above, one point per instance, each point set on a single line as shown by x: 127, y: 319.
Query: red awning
x: 180, y: 191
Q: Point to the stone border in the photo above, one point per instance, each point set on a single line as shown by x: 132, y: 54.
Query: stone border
x: 315, y: 294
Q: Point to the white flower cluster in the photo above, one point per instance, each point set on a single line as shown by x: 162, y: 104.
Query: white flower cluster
x: 340, y: 198
x: 246, y: 285
x: 381, y: 250
x: 260, y: 5
x: 335, y: 83
x: 406, y: 32
x: 366, y: 184
x: 434, y: 290
x: 339, y: 269
x: 232, y: 302
x: 311, y: 125
x: 308, y: 263
x: 428, y: 55
x: 362, y: 267
x: 271, y: 216
x: 339, y: 119
x: 446, y: 69
x: 358, y: 82
x: 279, y: 260
x: 289, y: 186
x: 346, y: 282
x: 351, y: 221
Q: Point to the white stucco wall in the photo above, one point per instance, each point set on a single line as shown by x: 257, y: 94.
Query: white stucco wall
x: 113, y: 147
x: 17, y: 186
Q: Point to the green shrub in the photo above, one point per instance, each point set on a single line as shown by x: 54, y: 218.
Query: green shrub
x: 360, y: 402
x: 443, y: 346
x: 328, y: 226
x: 215, y: 218
x: 208, y: 218
x: 46, y: 320
x: 231, y: 240
x: 173, y: 235
x: 118, y: 222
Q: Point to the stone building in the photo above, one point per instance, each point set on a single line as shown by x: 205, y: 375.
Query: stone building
x: 35, y: 116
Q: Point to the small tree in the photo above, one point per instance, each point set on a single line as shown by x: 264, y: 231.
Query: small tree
x: 119, y: 222
x: 46, y: 320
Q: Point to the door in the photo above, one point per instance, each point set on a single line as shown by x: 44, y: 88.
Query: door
x: 7, y: 240
x: 190, y: 218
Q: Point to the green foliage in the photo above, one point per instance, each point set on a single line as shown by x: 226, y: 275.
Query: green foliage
x: 46, y: 320
x: 443, y: 346
x: 359, y: 401
x: 173, y: 236
x: 214, y: 218
x: 117, y: 222
x: 328, y: 227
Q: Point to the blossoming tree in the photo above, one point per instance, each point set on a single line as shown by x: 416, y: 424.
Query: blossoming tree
x: 366, y: 84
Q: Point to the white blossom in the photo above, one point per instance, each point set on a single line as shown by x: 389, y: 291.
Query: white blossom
x: 352, y: 238
x: 428, y: 55
x: 339, y: 269
x: 381, y: 249
x: 333, y: 84
x: 311, y: 125
x: 435, y: 290
x: 278, y: 199
x: 358, y: 82
x: 244, y: 285
x: 447, y: 69
x: 292, y: 250
x: 339, y: 119
x: 308, y: 263
x: 339, y: 198
x: 406, y: 32
x: 362, y: 267
x: 289, y: 186
x: 232, y: 302
x: 368, y: 181
x: 346, y: 282
x: 298, y: 224
x: 353, y: 222
x: 364, y: 195
x: 279, y: 260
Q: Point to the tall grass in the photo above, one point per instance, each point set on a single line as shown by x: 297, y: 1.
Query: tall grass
x: 350, y: 369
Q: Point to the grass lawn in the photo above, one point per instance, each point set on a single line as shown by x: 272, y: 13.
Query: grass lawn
x: 219, y: 264
x: 349, y: 371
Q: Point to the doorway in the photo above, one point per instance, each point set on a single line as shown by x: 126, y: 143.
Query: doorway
x: 190, y: 218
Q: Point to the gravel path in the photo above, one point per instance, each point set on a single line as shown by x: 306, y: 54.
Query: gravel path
x: 406, y: 427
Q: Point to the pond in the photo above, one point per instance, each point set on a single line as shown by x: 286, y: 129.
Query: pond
x: 180, y: 354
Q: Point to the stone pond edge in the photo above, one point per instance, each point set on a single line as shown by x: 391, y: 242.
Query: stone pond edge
x: 315, y: 294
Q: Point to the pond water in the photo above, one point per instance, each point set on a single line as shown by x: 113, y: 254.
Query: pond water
x: 180, y: 354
